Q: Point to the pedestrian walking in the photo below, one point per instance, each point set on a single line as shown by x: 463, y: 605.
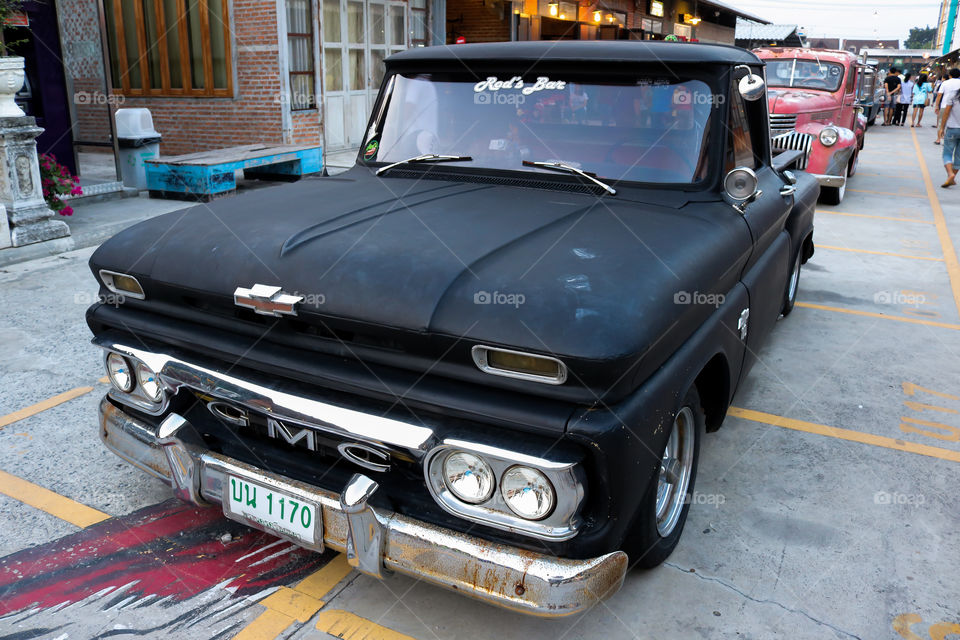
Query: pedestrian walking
x: 949, y: 130
x: 891, y: 85
x: 952, y: 81
x: 921, y: 98
x: 904, y: 100
x: 941, y: 78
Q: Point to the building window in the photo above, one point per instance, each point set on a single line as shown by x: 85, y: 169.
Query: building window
x: 169, y: 47
x: 419, y: 26
x: 300, y: 55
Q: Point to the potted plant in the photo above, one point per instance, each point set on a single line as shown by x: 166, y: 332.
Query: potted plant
x: 11, y: 67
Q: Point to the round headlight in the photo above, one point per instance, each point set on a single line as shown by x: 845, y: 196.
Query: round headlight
x: 468, y: 477
x: 148, y: 382
x: 527, y: 492
x: 740, y: 184
x: 118, y: 370
x: 829, y: 136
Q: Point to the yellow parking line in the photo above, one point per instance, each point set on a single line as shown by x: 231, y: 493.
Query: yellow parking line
x: 53, y: 503
x: 104, y: 379
x: 34, y: 409
x: 349, y: 626
x: 845, y: 434
x: 320, y: 583
x: 267, y: 626
x: 287, y: 605
x: 872, y: 314
x: 867, y: 215
x: 949, y: 254
x: 889, y: 193
x: 879, y: 253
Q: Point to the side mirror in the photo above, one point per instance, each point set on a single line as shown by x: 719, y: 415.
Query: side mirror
x: 740, y: 188
x: 751, y: 86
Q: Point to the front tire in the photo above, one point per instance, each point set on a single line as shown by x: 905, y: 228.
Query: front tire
x: 834, y: 195
x: 663, y: 510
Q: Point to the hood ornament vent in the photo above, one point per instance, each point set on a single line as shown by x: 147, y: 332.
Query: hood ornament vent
x: 267, y: 300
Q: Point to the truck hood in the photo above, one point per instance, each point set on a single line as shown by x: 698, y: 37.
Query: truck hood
x: 786, y: 101
x: 568, y: 273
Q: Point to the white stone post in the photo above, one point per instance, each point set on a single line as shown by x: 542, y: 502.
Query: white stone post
x: 30, y: 219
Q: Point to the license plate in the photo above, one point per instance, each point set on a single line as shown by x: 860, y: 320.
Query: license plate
x: 275, y: 511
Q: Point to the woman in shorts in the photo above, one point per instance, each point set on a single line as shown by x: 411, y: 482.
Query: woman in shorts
x: 921, y: 98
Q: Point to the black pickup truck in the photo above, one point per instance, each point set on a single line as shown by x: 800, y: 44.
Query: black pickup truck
x: 488, y: 353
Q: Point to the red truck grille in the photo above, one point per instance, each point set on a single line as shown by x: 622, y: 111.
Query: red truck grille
x: 782, y: 123
x: 794, y: 141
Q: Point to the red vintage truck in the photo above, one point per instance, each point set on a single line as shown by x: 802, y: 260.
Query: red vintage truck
x: 813, y: 100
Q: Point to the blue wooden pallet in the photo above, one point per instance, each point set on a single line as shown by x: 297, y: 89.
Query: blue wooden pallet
x: 209, y: 174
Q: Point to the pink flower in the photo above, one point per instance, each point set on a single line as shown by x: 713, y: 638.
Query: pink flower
x: 67, y: 211
x: 76, y: 191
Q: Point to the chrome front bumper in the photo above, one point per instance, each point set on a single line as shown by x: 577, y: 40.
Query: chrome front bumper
x: 829, y: 181
x: 374, y: 541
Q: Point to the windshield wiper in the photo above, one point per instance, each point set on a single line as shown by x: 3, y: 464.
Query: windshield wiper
x: 428, y: 157
x: 566, y: 168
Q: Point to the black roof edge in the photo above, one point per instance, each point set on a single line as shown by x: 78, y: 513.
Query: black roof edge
x: 578, y: 51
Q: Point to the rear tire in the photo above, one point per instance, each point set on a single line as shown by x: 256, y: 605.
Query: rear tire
x: 663, y: 510
x: 793, y: 283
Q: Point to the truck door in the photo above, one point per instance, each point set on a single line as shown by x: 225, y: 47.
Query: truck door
x: 765, y: 274
x: 848, y: 93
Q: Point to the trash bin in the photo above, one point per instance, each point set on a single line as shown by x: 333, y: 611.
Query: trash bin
x: 138, y: 141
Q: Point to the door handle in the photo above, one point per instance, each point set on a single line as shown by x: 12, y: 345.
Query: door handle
x: 788, y: 190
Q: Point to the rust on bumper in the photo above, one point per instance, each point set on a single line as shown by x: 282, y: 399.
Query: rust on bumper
x: 499, y: 574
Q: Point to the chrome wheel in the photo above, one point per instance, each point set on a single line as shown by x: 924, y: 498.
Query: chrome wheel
x: 675, y: 471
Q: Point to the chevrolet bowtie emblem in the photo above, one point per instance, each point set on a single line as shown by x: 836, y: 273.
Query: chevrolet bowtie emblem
x: 267, y: 300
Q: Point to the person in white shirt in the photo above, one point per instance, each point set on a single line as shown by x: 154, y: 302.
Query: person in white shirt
x: 954, y: 74
x: 903, y: 100
x: 949, y: 130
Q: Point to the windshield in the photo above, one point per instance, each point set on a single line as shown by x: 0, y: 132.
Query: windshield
x: 651, y: 129
x: 808, y: 74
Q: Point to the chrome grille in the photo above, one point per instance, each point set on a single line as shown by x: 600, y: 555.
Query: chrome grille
x: 794, y: 141
x: 782, y: 122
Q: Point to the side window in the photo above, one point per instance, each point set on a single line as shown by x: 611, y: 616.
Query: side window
x: 851, y: 76
x: 740, y: 145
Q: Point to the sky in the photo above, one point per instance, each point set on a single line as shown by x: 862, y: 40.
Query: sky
x: 857, y: 19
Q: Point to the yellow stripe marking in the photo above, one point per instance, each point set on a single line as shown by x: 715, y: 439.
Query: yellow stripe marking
x: 104, y: 380
x: 297, y: 604
x: 267, y: 626
x: 319, y: 583
x: 879, y: 253
x: 889, y: 193
x: 45, y: 500
x: 49, y: 403
x: 349, y: 626
x: 845, y: 434
x: 867, y: 215
x: 949, y: 254
x: 872, y: 314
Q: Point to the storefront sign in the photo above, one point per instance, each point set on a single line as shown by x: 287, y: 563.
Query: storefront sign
x: 656, y: 8
x: 682, y: 31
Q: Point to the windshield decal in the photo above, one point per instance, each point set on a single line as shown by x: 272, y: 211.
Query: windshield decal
x: 370, y: 152
x: 516, y: 82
